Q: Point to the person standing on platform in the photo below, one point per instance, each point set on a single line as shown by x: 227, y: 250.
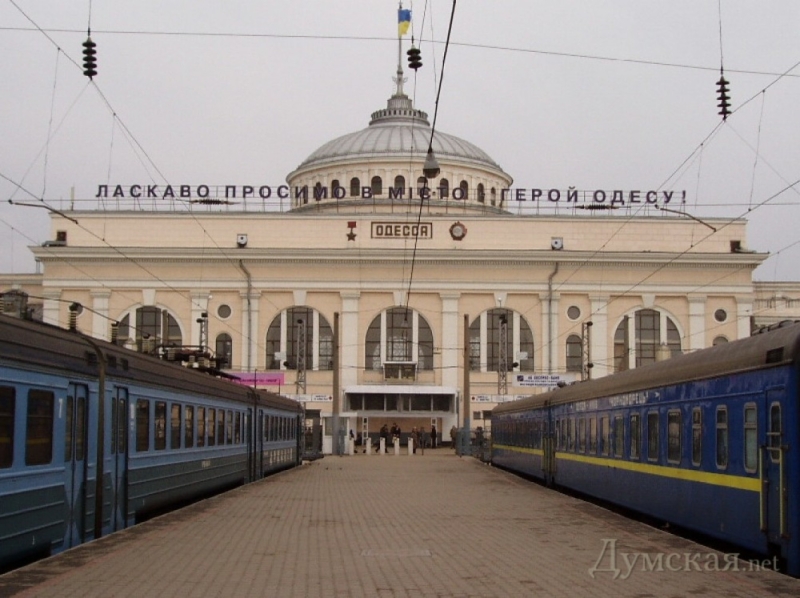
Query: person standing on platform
x: 453, y: 434
x: 415, y: 439
x: 433, y: 436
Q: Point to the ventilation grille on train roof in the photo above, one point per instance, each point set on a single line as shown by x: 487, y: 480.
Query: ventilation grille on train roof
x: 775, y: 355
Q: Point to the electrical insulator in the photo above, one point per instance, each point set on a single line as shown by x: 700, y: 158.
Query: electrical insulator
x: 89, y: 62
x: 414, y: 60
x: 724, y: 104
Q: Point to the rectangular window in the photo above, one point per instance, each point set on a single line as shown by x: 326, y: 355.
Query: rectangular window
x: 674, y: 436
x: 593, y: 435
x: 175, y: 427
x: 68, y: 424
x: 238, y: 437
x: 230, y: 427
x: 697, y: 436
x: 604, y: 435
x: 652, y: 436
x: 160, y: 422
x: 142, y: 425
x: 7, y: 408
x: 582, y: 435
x: 220, y: 427
x: 722, y: 437
x: 188, y: 426
x: 212, y: 427
x: 39, y: 433
x: 636, y: 435
x: 571, y: 434
x: 750, y: 439
x: 619, y: 436
x: 201, y: 426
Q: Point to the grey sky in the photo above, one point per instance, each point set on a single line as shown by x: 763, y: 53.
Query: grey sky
x: 593, y: 95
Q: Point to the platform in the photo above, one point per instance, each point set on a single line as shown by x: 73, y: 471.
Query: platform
x: 393, y: 526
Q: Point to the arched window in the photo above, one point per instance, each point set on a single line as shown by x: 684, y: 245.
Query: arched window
x: 154, y: 328
x: 355, y: 187
x: 395, y: 332
x: 224, y: 351
x: 318, y: 193
x: 574, y: 353
x: 518, y: 347
x: 481, y: 193
x: 422, y: 182
x: 284, y: 340
x: 334, y: 186
x: 649, y: 335
x: 377, y: 186
x: 444, y: 188
x: 493, y: 196
x: 720, y: 340
x: 399, y: 183
x: 464, y: 186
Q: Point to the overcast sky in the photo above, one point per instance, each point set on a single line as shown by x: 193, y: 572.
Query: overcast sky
x: 618, y: 94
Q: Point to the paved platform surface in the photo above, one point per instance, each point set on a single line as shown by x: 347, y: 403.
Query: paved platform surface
x: 392, y: 526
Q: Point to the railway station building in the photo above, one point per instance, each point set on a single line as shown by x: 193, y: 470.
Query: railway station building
x: 450, y: 294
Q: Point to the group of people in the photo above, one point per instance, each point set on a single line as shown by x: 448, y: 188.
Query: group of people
x: 420, y: 437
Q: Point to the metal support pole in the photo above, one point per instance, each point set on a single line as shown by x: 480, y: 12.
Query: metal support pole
x: 336, y: 436
x: 464, y: 435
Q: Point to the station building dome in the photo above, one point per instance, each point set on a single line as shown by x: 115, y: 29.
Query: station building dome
x: 383, y: 164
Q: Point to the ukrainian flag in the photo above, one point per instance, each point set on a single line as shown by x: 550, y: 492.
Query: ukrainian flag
x: 403, y: 21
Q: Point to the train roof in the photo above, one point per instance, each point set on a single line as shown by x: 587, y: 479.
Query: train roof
x: 44, y: 345
x: 767, y: 349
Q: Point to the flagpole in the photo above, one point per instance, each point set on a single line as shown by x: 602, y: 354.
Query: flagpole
x: 399, y: 55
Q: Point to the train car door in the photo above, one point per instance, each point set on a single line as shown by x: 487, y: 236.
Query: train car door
x: 775, y: 469
x: 119, y: 458
x: 75, y: 442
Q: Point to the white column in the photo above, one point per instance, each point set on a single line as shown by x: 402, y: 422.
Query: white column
x: 250, y: 349
x: 350, y: 339
x: 449, y: 340
x: 51, y: 308
x: 552, y: 340
x: 199, y: 305
x: 697, y: 323
x: 744, y: 309
x: 600, y: 336
x: 484, y: 325
x: 101, y: 323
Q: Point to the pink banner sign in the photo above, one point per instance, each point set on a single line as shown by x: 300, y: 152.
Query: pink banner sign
x: 261, y: 378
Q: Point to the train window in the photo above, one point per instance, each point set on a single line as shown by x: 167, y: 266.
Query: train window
x: 39, y: 433
x: 652, y: 436
x: 619, y: 436
x: 238, y: 438
x: 7, y: 405
x: 674, y: 436
x: 774, y: 435
x: 142, y: 425
x: 201, y: 426
x: 160, y: 423
x: 571, y: 434
x: 604, y: 435
x: 230, y: 427
x: 722, y: 437
x: 582, y: 435
x: 68, y: 422
x: 750, y: 438
x: 80, y: 428
x: 212, y: 426
x: 122, y: 420
x: 220, y: 427
x: 592, y: 435
x: 175, y: 427
x: 697, y: 435
x: 636, y: 435
x: 188, y: 426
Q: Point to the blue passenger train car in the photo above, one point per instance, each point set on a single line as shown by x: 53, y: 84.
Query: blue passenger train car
x: 168, y: 434
x: 707, y: 441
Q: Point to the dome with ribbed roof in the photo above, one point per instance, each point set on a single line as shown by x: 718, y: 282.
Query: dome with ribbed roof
x: 385, y: 162
x: 398, y: 131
